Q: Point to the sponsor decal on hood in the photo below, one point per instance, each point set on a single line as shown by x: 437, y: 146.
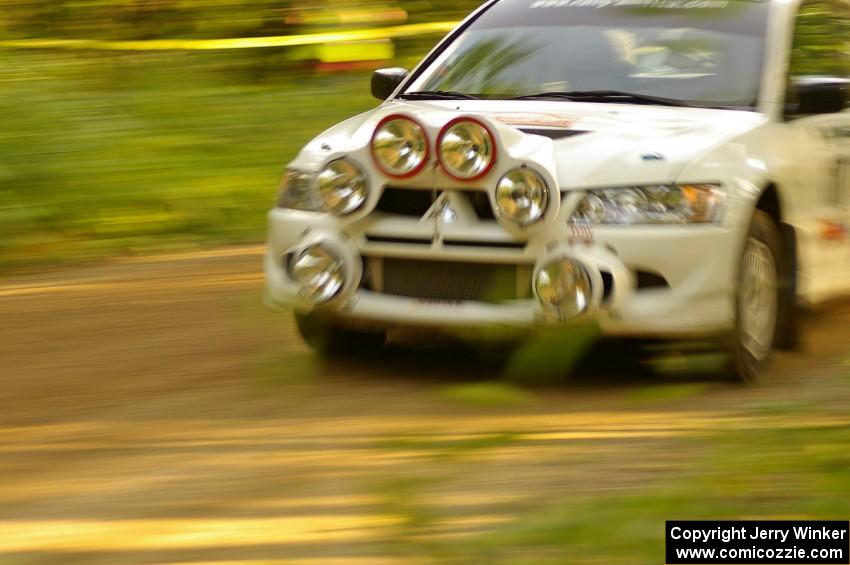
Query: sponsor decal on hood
x: 535, y: 119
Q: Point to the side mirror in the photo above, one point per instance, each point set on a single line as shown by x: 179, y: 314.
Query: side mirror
x: 385, y: 81
x: 820, y: 95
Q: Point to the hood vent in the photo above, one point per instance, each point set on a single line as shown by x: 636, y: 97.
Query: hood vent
x: 554, y: 133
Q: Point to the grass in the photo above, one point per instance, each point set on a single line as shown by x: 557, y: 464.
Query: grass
x: 105, y: 154
x: 772, y: 474
x: 486, y: 395
x: 782, y: 407
x: 750, y: 472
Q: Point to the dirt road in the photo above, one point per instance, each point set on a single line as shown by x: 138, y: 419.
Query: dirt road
x: 152, y: 411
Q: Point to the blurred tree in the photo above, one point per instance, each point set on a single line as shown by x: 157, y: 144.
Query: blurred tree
x: 34, y: 18
x: 149, y: 19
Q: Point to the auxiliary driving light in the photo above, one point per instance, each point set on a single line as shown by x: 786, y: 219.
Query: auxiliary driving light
x: 563, y: 288
x: 319, y: 273
x: 400, y: 146
x: 522, y: 197
x: 467, y: 149
x: 343, y: 187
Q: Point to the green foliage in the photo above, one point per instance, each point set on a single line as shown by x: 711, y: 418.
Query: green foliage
x: 150, y: 19
x: 108, y: 153
x: 821, y: 40
x: 103, y: 154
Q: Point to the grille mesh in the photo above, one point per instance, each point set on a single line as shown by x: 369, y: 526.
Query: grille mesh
x: 405, y: 202
x: 416, y: 203
x: 451, y: 281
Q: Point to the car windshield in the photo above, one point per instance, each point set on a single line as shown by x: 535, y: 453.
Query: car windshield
x: 701, y: 52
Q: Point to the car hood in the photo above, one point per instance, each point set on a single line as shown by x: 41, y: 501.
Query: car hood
x: 589, y: 144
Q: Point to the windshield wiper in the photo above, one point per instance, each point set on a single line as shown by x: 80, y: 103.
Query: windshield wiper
x: 610, y: 96
x: 436, y: 95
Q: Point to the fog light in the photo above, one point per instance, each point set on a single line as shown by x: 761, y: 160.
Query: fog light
x: 563, y: 288
x: 319, y: 273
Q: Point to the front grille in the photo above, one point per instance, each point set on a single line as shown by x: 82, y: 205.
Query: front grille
x: 448, y: 281
x: 484, y: 244
x: 405, y: 202
x: 416, y: 203
x: 481, y: 204
x: 399, y: 240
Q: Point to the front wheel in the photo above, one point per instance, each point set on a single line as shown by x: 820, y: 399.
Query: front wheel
x: 758, y: 304
x: 330, y: 340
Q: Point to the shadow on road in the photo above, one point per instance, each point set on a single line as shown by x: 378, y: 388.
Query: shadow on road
x: 601, y: 363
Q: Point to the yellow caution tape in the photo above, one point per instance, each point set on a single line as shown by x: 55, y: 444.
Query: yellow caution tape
x: 239, y: 43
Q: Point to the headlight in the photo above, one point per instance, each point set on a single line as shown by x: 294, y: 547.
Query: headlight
x: 522, y: 197
x: 319, y: 273
x: 467, y: 149
x: 563, y: 288
x: 659, y: 204
x: 400, y: 146
x: 298, y: 193
x: 343, y: 187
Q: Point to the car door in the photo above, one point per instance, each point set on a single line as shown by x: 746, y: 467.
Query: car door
x: 821, y: 51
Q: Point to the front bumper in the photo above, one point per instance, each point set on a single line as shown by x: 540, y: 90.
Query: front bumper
x: 696, y: 263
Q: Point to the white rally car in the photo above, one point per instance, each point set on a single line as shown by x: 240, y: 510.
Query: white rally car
x: 664, y: 168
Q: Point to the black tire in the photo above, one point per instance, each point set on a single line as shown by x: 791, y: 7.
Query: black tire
x: 330, y: 340
x: 750, y: 352
x: 788, y: 336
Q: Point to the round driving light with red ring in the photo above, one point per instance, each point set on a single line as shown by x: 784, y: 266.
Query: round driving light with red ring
x: 400, y: 146
x: 466, y: 149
